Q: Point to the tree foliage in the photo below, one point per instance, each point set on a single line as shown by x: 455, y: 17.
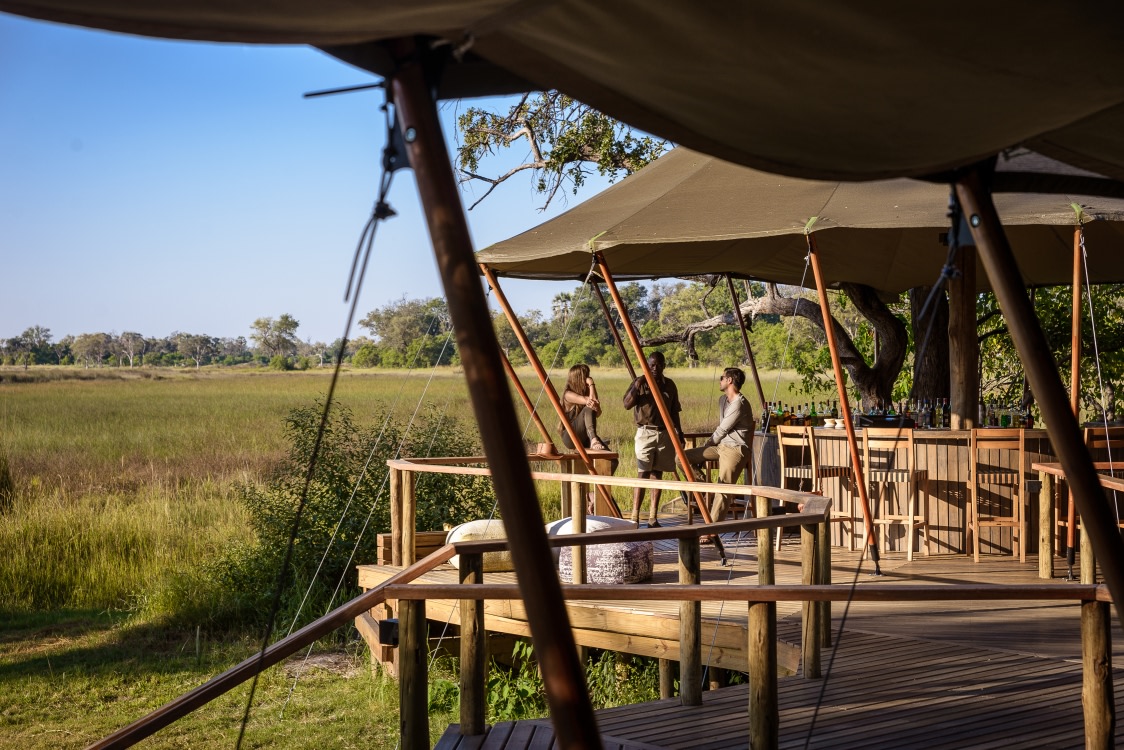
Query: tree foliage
x: 347, y: 506
x: 565, y: 140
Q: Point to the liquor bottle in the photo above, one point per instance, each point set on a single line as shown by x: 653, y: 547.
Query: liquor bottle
x: 938, y: 413
x: 835, y: 409
x: 947, y: 423
x: 812, y: 416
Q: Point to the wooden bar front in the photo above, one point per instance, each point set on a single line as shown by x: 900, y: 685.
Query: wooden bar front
x: 944, y: 454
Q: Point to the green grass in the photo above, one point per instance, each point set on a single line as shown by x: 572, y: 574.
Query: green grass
x: 113, y: 483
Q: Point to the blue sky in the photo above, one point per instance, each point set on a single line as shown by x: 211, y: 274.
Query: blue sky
x: 156, y: 186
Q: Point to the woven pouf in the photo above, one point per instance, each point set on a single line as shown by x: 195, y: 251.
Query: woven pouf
x: 623, y: 562
x: 565, y: 526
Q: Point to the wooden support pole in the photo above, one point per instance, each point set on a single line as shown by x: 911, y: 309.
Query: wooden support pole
x: 1074, y: 384
x: 474, y: 652
x: 543, y: 432
x: 613, y: 329
x: 690, y: 626
x: 1046, y: 528
x: 1002, y: 272
x: 766, y: 556
x: 571, y: 711
x: 963, y: 343
x: 764, y: 706
x: 409, y: 518
x: 413, y: 675
x: 1097, y: 697
x: 657, y: 395
x: 745, y: 342
x: 845, y: 409
x: 548, y: 387
x: 810, y: 634
x: 396, y: 517
x: 823, y: 576
x: 667, y: 678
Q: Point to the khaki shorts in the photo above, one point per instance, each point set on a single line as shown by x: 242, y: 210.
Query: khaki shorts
x: 654, y: 450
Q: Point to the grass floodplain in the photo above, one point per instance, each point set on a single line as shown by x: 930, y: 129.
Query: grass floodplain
x: 116, y: 485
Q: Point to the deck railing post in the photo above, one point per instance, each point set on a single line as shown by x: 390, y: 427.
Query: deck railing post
x: 409, y: 518
x: 473, y: 649
x: 823, y: 576
x: 413, y: 675
x: 810, y: 629
x: 667, y: 678
x: 1046, y: 530
x: 764, y: 713
x: 1097, y: 687
x: 766, y: 574
x: 690, y: 626
x: 396, y: 517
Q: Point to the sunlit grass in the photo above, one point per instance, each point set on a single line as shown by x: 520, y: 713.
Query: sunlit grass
x: 118, y: 482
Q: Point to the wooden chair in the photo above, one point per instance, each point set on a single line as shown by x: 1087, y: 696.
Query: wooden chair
x: 1104, y: 444
x: 990, y: 467
x: 800, y: 463
x: 890, y: 458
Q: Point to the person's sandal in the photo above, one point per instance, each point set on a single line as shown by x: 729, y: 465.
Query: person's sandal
x: 597, y: 445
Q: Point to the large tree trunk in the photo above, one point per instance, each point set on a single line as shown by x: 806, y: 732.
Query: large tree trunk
x: 931, y: 368
x: 874, y: 383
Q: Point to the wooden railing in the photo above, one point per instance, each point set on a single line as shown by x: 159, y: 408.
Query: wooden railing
x: 761, y: 601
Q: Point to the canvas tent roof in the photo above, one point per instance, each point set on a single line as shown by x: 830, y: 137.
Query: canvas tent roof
x: 820, y: 90
x: 687, y: 214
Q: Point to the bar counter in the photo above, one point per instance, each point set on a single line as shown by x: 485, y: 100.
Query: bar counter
x: 945, y: 455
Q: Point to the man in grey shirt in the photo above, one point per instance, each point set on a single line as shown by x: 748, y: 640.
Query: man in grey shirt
x: 731, y: 444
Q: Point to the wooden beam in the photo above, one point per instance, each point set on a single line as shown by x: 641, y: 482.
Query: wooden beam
x: 690, y: 626
x: 1097, y: 696
x: 810, y: 634
x: 514, y: 378
x: 1074, y: 383
x: 764, y: 706
x: 474, y: 650
x: 963, y: 342
x: 1065, y: 436
x: 848, y: 424
x: 567, y: 697
x: 657, y: 395
x: 413, y: 676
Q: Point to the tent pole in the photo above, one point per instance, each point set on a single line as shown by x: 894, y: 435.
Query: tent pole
x: 613, y: 328
x: 745, y: 342
x: 657, y: 395
x: 575, y: 724
x: 525, y: 398
x: 548, y: 387
x: 1074, y: 394
x: 848, y: 424
x: 1045, y: 381
x: 963, y: 346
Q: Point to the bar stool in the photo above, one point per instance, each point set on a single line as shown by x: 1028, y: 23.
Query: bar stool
x: 800, y: 461
x: 1104, y: 444
x: 890, y: 458
x: 988, y: 449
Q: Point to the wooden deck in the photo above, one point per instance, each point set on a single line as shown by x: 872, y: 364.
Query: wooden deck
x: 932, y: 674
x: 928, y: 674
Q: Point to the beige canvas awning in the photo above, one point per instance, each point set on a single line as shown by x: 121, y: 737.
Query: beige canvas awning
x: 821, y: 90
x: 687, y: 214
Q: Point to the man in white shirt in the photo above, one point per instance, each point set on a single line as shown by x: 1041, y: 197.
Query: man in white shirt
x: 731, y: 444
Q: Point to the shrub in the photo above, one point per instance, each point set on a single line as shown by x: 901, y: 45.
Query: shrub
x: 279, y: 362
x: 347, y: 505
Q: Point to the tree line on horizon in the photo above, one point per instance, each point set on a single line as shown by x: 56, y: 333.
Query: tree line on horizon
x: 417, y: 333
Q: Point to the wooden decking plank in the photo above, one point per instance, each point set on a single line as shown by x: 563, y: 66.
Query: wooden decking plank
x: 497, y: 736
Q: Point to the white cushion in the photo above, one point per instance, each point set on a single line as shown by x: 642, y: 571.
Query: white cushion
x: 479, y: 530
x: 623, y: 562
